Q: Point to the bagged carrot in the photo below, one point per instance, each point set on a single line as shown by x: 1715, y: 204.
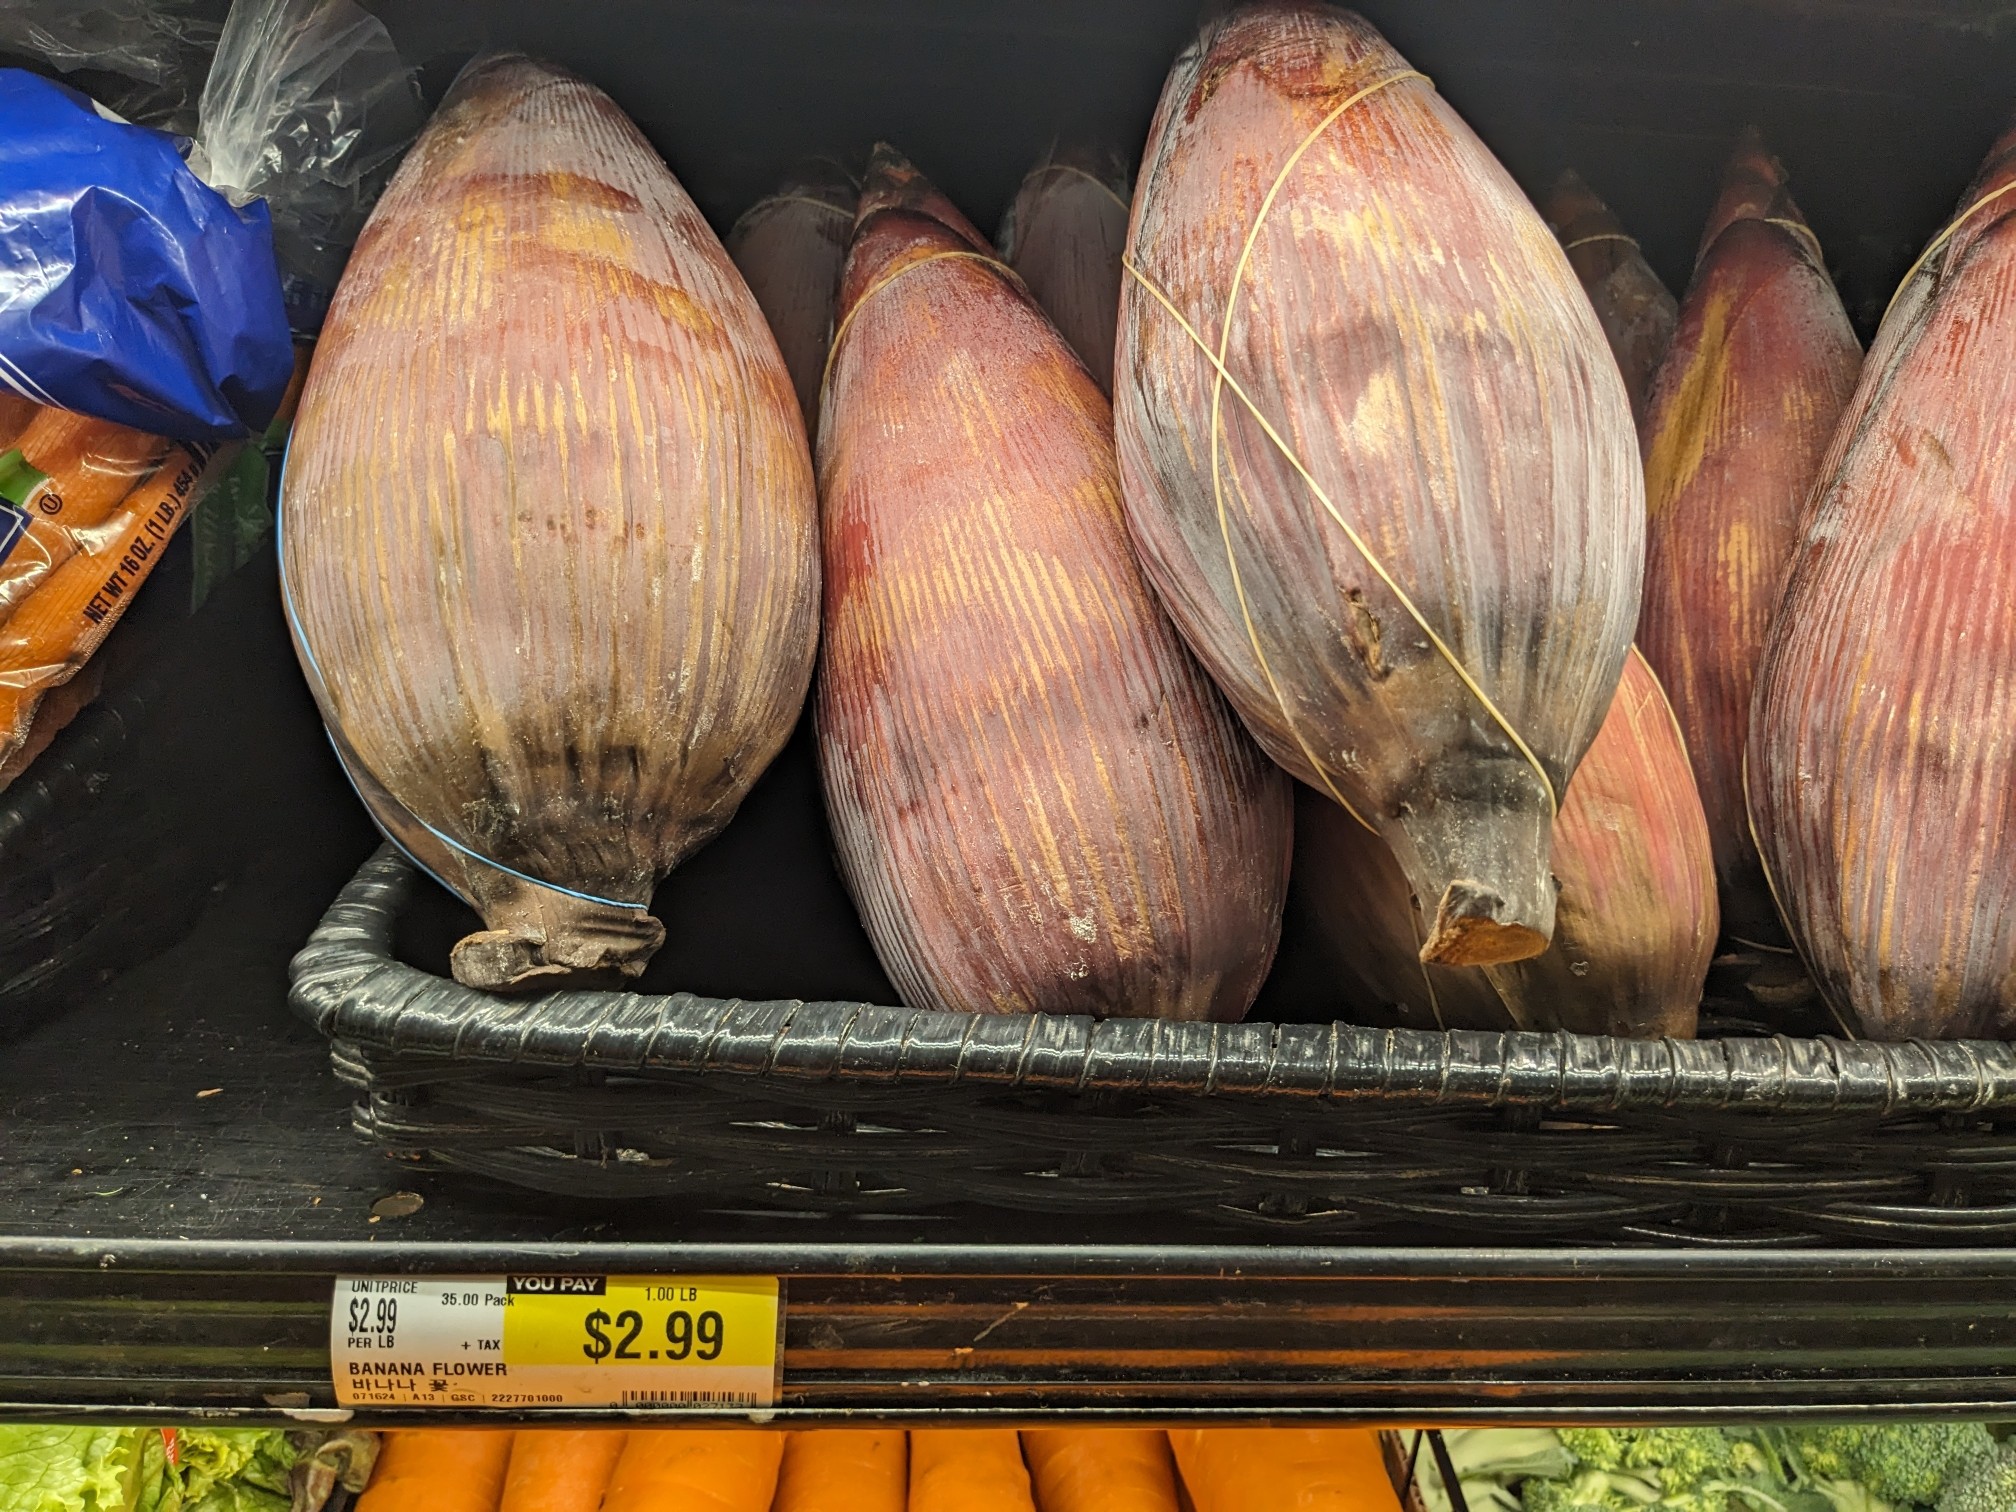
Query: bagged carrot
x: 561, y: 1469
x: 1284, y: 1470
x: 1101, y: 1469
x: 52, y: 717
x: 968, y: 1470
x: 844, y: 1470
x: 695, y: 1470
x: 438, y: 1470
x: 90, y: 465
x: 58, y: 626
x: 65, y: 474
x: 15, y: 413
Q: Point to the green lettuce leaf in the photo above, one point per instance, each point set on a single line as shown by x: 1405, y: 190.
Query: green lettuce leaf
x: 160, y: 1482
x: 45, y: 1469
x: 213, y: 1457
x: 238, y: 1496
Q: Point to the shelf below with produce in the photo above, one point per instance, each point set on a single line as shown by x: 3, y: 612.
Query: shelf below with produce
x: 180, y: 1190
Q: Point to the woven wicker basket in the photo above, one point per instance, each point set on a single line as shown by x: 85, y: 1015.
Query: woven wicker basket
x: 1312, y: 1131
x: 113, y: 840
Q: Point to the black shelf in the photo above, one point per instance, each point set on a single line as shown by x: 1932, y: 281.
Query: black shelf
x: 178, y: 1181
x: 168, y: 1249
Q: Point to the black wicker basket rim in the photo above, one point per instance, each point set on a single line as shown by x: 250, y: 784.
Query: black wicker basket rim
x: 348, y: 985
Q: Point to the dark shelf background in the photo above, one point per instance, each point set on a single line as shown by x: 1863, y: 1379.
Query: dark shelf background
x: 1880, y: 110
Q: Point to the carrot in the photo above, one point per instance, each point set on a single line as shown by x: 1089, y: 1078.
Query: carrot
x: 968, y: 1470
x: 92, y: 465
x: 15, y: 413
x: 844, y: 1470
x: 560, y: 1469
x: 43, y: 547
x: 57, y: 628
x: 696, y: 1470
x: 1101, y: 1469
x: 52, y: 717
x: 91, y: 468
x: 1284, y: 1470
x: 438, y: 1470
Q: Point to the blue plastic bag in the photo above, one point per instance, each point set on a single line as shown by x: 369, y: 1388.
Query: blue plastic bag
x: 129, y: 289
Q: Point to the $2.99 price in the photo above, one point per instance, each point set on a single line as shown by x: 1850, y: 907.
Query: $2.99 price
x: 380, y: 1319
x: 622, y: 1337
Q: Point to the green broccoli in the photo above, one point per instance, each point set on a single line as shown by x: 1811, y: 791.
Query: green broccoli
x: 1896, y: 1462
x: 1850, y: 1496
x: 1596, y: 1446
x: 1674, y: 1460
x: 1487, y: 1462
x: 1986, y: 1485
x: 1588, y: 1491
x: 1629, y: 1491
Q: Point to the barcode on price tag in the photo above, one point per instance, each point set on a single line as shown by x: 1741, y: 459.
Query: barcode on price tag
x: 705, y: 1343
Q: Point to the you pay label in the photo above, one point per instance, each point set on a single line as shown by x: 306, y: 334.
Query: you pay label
x: 704, y: 1342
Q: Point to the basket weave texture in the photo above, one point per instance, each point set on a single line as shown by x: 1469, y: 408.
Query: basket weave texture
x: 112, y: 840
x: 1316, y: 1132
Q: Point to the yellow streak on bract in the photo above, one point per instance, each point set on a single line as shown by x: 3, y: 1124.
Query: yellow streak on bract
x: 596, y: 236
x: 1737, y: 556
x: 1378, y: 421
x: 1849, y: 828
x: 480, y: 225
x: 1685, y: 424
x: 1893, y: 861
x: 584, y: 231
x: 1799, y: 404
x: 677, y: 305
x: 478, y: 220
x: 382, y: 305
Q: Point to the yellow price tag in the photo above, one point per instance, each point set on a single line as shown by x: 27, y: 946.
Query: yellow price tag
x: 556, y: 1341
x: 726, y: 1322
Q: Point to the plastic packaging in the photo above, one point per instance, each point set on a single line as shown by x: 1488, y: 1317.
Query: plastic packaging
x: 47, y: 640
x: 309, y: 108
x: 129, y: 290
x: 143, y: 59
x: 65, y: 478
x: 141, y: 306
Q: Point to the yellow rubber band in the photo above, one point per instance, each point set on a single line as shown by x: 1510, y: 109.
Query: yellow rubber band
x: 1316, y: 764
x: 1090, y: 178
x: 1801, y: 230
x: 833, y: 350
x: 1357, y: 541
x: 1599, y: 236
x: 1225, y: 380
x: 791, y: 199
x: 1952, y: 228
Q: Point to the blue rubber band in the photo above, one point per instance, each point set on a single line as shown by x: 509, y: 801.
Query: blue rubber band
x: 315, y: 667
